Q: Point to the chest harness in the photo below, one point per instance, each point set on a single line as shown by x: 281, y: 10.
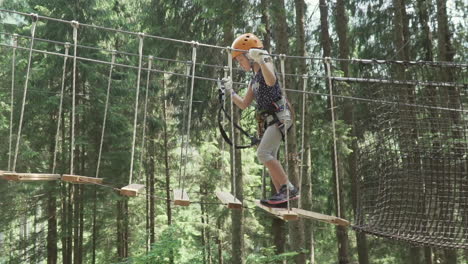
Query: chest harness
x: 265, y: 118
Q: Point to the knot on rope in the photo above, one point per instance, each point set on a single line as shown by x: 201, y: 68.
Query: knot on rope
x: 75, y: 24
x: 34, y: 17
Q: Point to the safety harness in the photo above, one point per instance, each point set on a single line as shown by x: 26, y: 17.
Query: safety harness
x: 253, y: 139
x: 265, y: 118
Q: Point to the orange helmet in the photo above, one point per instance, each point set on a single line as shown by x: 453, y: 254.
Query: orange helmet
x: 245, y: 42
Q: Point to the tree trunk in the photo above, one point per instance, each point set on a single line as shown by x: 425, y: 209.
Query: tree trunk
x: 237, y: 216
x: 219, y: 242
x: 423, y: 14
x: 95, y: 231
x: 277, y: 226
x: 122, y: 229
x: 341, y: 232
x: 52, y: 226
x: 348, y: 116
x: 264, y: 5
x: 428, y: 255
x: 296, y: 228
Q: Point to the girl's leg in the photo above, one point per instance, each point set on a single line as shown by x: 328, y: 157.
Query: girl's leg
x: 277, y: 173
x: 266, y: 153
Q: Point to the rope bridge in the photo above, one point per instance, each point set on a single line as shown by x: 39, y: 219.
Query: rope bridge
x: 411, y: 128
x: 413, y: 154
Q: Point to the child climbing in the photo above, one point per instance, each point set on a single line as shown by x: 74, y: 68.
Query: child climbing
x: 271, y: 106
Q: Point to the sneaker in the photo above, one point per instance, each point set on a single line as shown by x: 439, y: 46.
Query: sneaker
x: 282, y: 195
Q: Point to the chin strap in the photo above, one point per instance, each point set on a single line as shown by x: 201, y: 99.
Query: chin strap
x: 253, y: 139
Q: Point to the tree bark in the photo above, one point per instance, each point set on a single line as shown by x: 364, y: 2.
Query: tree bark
x: 423, y: 14
x: 341, y: 232
x: 237, y: 216
x: 122, y: 229
x: 348, y: 116
x: 296, y: 228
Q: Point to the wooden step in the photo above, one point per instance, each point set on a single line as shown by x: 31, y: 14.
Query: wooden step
x: 281, y: 213
x: 14, y: 176
x: 132, y: 190
x: 229, y: 200
x: 181, y: 197
x: 81, y: 179
x: 321, y: 217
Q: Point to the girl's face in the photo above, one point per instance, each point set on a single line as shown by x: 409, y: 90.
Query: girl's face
x: 243, y: 62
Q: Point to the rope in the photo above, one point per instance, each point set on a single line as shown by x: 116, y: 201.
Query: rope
x: 223, y: 142
x: 59, y: 117
x: 183, y: 161
x: 121, y: 52
x: 441, y: 84
x: 302, y: 137
x: 384, y: 81
x: 150, y: 62
x: 13, y: 66
x: 75, y: 26
x: 430, y: 63
x: 140, y: 51
x: 194, y: 59
x: 332, y: 109
x: 106, y: 108
x: 233, y: 137
x: 286, y: 154
x: 20, y: 126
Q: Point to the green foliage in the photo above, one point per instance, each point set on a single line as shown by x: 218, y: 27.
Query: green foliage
x: 167, y: 246
x: 268, y: 255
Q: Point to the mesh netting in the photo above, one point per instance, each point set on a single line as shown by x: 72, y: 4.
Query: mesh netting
x: 412, y: 154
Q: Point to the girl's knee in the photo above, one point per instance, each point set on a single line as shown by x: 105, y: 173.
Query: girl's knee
x: 264, y: 156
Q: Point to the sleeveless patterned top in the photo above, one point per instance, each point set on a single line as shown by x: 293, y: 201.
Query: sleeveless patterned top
x: 265, y: 95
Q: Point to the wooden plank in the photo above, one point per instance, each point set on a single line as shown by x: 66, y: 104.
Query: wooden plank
x: 7, y: 178
x: 132, y: 190
x: 81, y: 179
x: 13, y: 176
x: 181, y: 197
x: 281, y: 213
x: 321, y: 217
x: 229, y: 200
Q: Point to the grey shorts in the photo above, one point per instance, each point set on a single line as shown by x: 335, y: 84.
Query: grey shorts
x: 269, y: 145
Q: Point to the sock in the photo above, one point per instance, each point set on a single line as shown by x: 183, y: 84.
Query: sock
x: 290, y: 186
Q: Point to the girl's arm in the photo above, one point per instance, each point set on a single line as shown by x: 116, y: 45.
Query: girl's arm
x: 268, y: 72
x: 243, y: 103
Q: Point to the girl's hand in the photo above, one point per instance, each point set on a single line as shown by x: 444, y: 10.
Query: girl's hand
x: 228, y: 86
x: 259, y: 56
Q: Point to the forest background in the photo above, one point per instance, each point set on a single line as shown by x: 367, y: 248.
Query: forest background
x: 64, y: 223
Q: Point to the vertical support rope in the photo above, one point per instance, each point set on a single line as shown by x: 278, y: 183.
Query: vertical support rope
x: 223, y: 142
x: 106, y: 108
x: 233, y: 137
x: 304, y: 96
x: 183, y: 160
x: 332, y: 106
x: 13, y: 66
x: 286, y: 154
x: 59, y: 117
x: 20, y: 126
x: 194, y: 62
x: 75, y: 26
x: 140, y: 58
x: 143, y: 136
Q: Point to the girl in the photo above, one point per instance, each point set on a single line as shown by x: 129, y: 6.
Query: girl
x: 264, y: 88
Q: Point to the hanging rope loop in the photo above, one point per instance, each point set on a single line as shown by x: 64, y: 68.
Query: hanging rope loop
x: 34, y: 17
x: 140, y: 61
x: 15, y: 41
x: 20, y: 125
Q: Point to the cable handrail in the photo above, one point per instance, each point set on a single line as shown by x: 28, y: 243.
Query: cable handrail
x: 378, y: 61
